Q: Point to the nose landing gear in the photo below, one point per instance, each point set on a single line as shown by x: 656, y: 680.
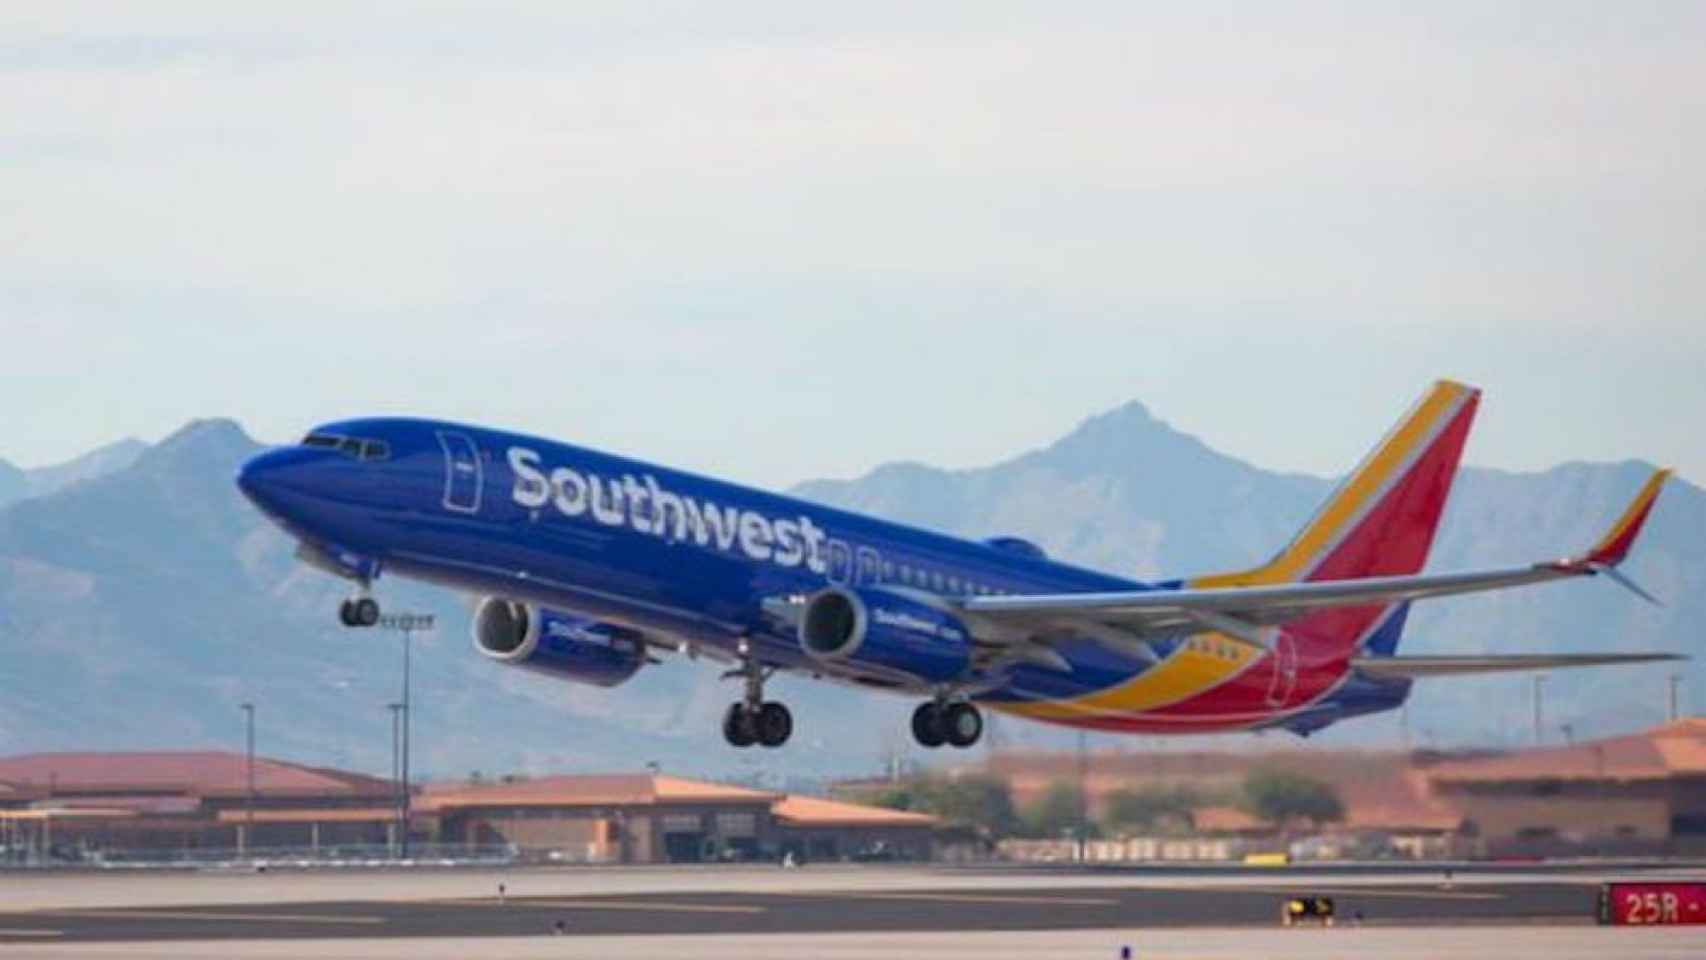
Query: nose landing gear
x: 359, y: 611
x: 937, y: 722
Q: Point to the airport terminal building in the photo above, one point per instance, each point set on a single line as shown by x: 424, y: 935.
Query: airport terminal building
x: 199, y: 804
x: 645, y: 818
x: 1635, y: 795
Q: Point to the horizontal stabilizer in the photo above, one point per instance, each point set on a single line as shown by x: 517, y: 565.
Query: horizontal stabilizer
x: 1396, y: 667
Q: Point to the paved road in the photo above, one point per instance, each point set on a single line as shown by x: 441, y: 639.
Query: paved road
x: 947, y: 909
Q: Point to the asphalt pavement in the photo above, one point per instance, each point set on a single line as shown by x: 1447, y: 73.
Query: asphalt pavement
x: 1012, y: 908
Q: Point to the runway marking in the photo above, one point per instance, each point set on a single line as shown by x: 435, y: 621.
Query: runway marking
x: 24, y: 932
x: 147, y: 914
x: 1353, y: 892
x: 970, y: 898
x: 613, y: 905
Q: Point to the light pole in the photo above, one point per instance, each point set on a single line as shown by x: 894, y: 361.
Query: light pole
x: 396, y: 770
x: 406, y: 624
x: 1672, y: 714
x: 1083, y: 797
x: 1539, y: 681
x: 249, y: 798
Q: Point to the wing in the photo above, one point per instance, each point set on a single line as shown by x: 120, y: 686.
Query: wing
x: 1396, y: 667
x: 1241, y: 612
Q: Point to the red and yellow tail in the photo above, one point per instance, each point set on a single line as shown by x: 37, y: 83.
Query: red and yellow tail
x: 1381, y: 520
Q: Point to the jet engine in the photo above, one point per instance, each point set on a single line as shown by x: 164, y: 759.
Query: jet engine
x: 887, y: 630
x: 557, y: 644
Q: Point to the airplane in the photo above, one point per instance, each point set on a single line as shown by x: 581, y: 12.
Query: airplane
x: 587, y: 566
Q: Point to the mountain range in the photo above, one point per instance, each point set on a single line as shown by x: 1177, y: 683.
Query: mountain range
x: 142, y: 600
x: 17, y: 483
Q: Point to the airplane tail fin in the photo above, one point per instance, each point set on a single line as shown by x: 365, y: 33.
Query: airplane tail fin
x: 1381, y: 519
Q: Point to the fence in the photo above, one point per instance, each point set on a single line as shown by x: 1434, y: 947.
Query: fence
x: 205, y: 858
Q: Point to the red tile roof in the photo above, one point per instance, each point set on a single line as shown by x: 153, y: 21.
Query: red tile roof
x: 322, y: 815
x: 590, y: 790
x: 1677, y: 748
x: 203, y: 773
x: 799, y: 811
x: 606, y: 790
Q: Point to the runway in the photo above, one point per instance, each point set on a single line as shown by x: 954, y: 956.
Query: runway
x: 971, y: 908
x: 751, y: 913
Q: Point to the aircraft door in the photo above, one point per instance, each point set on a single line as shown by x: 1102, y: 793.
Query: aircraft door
x: 462, y: 473
x: 1285, y: 670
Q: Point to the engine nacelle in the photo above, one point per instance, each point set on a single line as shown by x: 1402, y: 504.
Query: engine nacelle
x: 556, y: 644
x: 887, y: 630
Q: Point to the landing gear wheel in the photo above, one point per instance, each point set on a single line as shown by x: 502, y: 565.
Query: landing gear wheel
x: 364, y: 611
x: 775, y: 724
x: 346, y: 613
x: 962, y: 724
x: 927, y: 726
x: 738, y: 726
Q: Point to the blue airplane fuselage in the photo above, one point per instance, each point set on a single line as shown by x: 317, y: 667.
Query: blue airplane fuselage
x: 680, y: 558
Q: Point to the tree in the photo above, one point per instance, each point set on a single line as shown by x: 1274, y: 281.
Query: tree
x: 1279, y: 797
x: 897, y: 797
x: 983, y: 803
x: 1058, y: 812
x: 1150, y: 808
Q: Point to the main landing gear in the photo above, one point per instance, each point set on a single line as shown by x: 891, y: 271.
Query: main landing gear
x: 752, y: 719
x: 938, y: 722
x: 769, y: 724
x: 360, y: 610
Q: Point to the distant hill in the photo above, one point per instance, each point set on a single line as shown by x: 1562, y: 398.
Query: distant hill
x: 14, y: 484
x: 142, y: 604
x: 17, y: 483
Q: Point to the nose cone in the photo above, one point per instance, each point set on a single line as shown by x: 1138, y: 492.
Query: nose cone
x: 264, y: 478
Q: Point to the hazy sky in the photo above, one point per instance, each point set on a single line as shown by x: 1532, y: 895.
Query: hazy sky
x: 784, y: 240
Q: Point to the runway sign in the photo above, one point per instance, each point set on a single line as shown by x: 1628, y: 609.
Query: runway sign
x: 1652, y: 904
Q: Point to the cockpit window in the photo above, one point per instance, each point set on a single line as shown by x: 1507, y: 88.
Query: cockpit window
x: 353, y: 447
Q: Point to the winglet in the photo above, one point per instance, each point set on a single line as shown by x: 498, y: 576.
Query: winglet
x: 1614, y: 546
